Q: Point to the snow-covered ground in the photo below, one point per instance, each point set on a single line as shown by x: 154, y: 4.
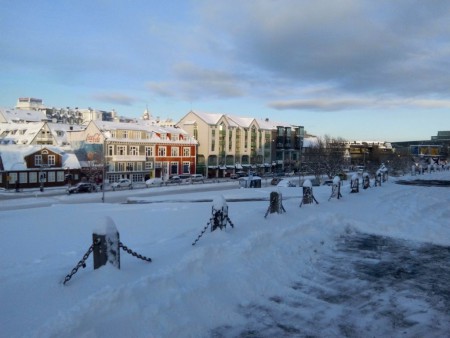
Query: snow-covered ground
x: 371, y: 264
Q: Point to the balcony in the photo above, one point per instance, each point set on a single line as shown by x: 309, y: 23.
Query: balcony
x: 128, y: 158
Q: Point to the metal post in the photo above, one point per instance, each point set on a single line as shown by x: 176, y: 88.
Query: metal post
x: 104, y: 170
x: 106, y: 245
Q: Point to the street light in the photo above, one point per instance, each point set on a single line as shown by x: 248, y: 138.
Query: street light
x: 104, y: 170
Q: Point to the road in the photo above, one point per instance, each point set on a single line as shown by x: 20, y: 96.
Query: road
x: 35, y: 199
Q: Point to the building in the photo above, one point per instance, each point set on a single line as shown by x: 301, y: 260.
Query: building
x: 229, y: 144
x: 32, y: 166
x: 136, y: 151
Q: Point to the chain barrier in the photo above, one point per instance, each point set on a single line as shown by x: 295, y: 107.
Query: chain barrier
x: 215, y: 223
x: 132, y: 253
x: 81, y: 263
x: 201, y: 234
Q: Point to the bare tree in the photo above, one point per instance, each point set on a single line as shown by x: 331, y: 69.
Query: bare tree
x: 325, y: 157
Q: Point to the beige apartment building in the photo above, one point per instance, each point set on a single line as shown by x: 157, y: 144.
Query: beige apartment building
x: 228, y: 144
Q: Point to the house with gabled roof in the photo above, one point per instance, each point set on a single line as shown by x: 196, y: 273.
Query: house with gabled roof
x: 229, y: 143
x: 30, y: 166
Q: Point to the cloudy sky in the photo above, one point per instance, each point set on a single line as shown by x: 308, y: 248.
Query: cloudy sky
x: 357, y: 69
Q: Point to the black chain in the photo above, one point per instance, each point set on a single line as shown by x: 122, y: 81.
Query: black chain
x: 213, y: 221
x: 201, y: 234
x: 81, y: 263
x: 229, y: 220
x: 131, y: 252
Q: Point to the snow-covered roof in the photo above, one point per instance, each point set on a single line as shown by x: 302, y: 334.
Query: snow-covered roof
x: 19, y: 133
x: 22, y: 115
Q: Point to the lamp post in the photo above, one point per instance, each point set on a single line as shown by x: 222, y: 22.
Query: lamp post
x: 104, y: 170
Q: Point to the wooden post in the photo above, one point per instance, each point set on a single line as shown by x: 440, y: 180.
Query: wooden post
x: 106, y: 245
x: 366, y: 181
x: 354, y: 184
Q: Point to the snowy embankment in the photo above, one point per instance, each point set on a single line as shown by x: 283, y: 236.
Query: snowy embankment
x: 187, y: 291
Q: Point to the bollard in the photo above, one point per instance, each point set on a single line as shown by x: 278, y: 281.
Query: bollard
x: 336, y: 188
x: 219, y: 213
x: 413, y: 170
x: 219, y: 217
x: 276, y: 203
x: 378, y: 178
x: 354, y: 184
x: 106, y: 245
x: 366, y: 181
x: 308, y: 196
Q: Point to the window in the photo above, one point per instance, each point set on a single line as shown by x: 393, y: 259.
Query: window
x: 174, y: 167
x: 186, y: 166
x: 148, y: 165
x: 149, y: 151
x: 213, y: 144
x: 51, y: 177
x: 163, y: 136
x: 162, y: 151
x: 130, y: 166
x: 175, y: 151
x: 125, y: 134
x: 110, y: 150
x: 37, y: 160
x: 121, y: 150
x: 186, y: 151
x: 51, y: 160
x: 121, y: 166
x: 134, y: 150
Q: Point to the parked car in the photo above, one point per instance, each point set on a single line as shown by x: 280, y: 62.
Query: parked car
x: 123, y: 183
x: 328, y: 182
x: 284, y: 183
x: 157, y: 181
x: 234, y: 176
x: 81, y: 187
x: 175, y: 179
x: 197, y: 178
x: 275, y: 181
x: 185, y: 177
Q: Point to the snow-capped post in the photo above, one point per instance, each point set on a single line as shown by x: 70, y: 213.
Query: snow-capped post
x: 106, y: 248
x: 276, y: 203
x: 354, y: 183
x: 420, y: 169
x: 366, y: 181
x: 106, y: 244
x: 378, y: 178
x: 308, y: 196
x: 413, y: 170
x: 336, y: 188
x: 219, y: 216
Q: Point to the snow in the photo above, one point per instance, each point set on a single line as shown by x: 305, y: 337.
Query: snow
x: 336, y: 180
x: 233, y: 281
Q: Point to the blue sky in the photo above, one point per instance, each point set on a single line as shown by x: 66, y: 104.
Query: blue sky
x: 357, y: 69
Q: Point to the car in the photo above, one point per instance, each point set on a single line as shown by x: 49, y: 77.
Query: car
x: 185, y: 177
x: 123, y: 183
x: 275, y: 181
x: 175, y: 179
x: 286, y: 183
x: 157, y: 181
x: 328, y: 182
x: 81, y: 187
x: 197, y: 178
x: 234, y: 176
